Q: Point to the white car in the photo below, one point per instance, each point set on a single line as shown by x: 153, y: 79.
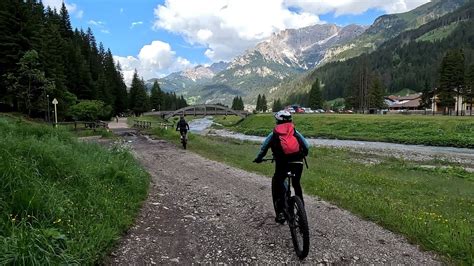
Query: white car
x: 308, y: 110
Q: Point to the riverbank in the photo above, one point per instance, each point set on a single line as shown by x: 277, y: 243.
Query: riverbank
x: 429, y: 205
x: 424, y: 130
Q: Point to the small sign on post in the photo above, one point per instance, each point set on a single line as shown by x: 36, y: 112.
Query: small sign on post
x: 55, y: 102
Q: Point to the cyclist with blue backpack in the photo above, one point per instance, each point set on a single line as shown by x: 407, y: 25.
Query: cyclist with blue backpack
x: 289, y: 149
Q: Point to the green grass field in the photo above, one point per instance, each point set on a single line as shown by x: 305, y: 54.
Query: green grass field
x: 62, y: 201
x: 427, y: 130
x: 432, y: 207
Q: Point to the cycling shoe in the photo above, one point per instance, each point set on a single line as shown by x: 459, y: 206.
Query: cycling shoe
x: 280, y: 218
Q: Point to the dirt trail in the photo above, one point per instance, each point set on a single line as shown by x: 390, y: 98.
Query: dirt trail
x: 204, y: 211
x: 120, y: 124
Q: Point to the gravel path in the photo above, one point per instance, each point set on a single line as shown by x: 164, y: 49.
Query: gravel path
x: 201, y: 211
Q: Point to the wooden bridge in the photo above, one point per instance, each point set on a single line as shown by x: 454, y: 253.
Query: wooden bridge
x: 200, y: 109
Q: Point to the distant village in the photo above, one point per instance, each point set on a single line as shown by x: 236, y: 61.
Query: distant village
x: 412, y: 103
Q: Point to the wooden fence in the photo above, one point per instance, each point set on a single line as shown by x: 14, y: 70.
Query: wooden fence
x: 79, y: 125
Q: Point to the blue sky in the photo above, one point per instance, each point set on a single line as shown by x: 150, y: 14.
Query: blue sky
x: 160, y: 37
x: 118, y: 34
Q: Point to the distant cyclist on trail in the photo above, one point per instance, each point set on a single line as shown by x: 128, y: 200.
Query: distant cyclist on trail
x: 289, y: 148
x: 182, y: 126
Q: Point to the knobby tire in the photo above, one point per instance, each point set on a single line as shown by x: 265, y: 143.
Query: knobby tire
x: 299, y: 227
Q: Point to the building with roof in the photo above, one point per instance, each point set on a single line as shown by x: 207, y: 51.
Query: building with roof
x: 399, y: 103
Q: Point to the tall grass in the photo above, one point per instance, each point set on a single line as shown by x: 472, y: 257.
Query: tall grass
x: 431, y: 207
x: 62, y: 201
x: 427, y: 130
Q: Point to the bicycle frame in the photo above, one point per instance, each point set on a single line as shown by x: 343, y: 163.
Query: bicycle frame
x: 287, y: 195
x: 286, y: 209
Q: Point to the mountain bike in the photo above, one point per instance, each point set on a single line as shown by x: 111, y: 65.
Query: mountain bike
x: 295, y: 214
x: 184, y: 139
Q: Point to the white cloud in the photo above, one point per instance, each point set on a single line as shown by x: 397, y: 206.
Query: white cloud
x: 96, y: 23
x: 80, y: 14
x: 342, y: 7
x: 100, y: 25
x: 153, y: 61
x: 71, y: 7
x: 228, y: 27
x: 136, y: 23
x: 121, y: 10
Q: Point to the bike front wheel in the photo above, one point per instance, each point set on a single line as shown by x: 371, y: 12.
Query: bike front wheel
x: 299, y: 227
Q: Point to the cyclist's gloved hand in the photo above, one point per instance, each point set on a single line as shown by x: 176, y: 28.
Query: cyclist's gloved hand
x: 258, y: 160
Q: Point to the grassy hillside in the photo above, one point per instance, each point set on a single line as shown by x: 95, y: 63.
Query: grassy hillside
x: 438, y: 34
x: 389, y: 26
x: 431, y: 207
x: 62, y: 201
x: 428, y: 130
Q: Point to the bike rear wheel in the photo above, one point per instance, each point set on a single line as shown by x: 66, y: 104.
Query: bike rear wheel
x: 184, y: 143
x: 299, y: 227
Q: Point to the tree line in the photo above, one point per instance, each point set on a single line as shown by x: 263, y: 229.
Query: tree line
x: 42, y: 57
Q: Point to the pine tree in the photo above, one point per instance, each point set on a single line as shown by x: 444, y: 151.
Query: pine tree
x: 121, y: 98
x: 134, y: 88
x: 470, y: 87
x: 426, y: 96
x: 263, y: 104
x: 139, y: 101
x: 376, y: 93
x: 259, y: 103
x: 65, y: 28
x: 156, y: 98
x: 277, y: 106
x: 449, y: 80
x: 315, y: 97
x: 234, y: 103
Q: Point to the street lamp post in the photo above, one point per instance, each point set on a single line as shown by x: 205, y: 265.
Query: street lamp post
x: 47, y: 116
x: 55, y: 103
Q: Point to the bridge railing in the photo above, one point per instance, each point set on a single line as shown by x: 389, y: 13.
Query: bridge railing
x: 142, y: 124
x: 204, y: 110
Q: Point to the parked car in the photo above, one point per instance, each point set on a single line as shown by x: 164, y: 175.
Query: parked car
x: 308, y: 110
x: 299, y: 110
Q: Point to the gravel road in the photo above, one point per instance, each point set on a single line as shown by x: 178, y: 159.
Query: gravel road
x: 201, y: 211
